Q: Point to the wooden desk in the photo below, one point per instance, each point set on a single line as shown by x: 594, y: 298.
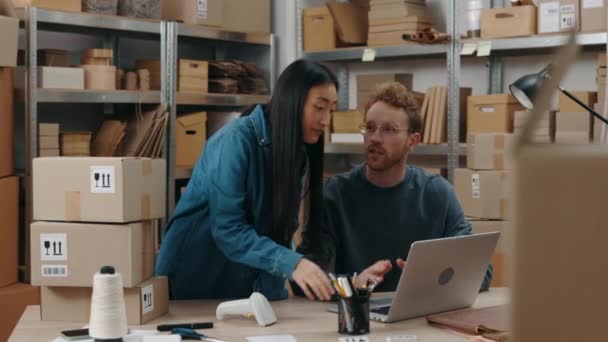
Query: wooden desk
x: 307, y: 321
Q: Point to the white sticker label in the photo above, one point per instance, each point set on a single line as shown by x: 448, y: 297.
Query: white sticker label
x: 354, y: 339
x: 201, y: 9
x: 103, y: 180
x: 369, y: 55
x: 549, y: 17
x: 484, y: 49
x: 53, y: 247
x: 567, y: 9
x: 487, y: 109
x: 54, y: 271
x: 147, y: 299
x: 475, y: 186
x: 402, y: 338
x: 593, y: 3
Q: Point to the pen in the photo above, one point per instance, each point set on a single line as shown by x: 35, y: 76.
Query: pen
x: 168, y: 327
x: 344, y: 283
x: 337, y: 285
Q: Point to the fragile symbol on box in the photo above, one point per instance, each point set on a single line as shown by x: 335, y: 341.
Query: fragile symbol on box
x: 147, y: 296
x: 202, y: 9
x: 53, y: 247
x: 475, y: 186
x: 103, y: 180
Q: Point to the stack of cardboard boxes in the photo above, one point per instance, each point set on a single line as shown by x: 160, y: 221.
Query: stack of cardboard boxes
x: 14, y: 296
x: 544, y: 132
x: 389, y: 20
x: 573, y: 124
x: 92, y: 212
x: 48, y: 140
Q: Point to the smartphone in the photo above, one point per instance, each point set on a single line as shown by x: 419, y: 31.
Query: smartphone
x: 76, y: 335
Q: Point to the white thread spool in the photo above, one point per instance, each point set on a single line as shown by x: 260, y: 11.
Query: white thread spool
x: 108, y: 321
x: 473, y: 18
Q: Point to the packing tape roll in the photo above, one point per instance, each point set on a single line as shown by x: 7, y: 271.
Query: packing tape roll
x: 72, y: 205
x: 146, y: 211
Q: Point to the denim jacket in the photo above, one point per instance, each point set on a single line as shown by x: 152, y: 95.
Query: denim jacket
x: 217, y: 244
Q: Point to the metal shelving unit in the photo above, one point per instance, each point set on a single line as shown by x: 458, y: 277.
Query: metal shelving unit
x: 424, y: 150
x: 384, y: 52
x: 112, y: 29
x: 542, y: 42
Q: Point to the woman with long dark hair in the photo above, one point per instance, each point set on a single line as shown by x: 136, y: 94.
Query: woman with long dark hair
x: 232, y: 229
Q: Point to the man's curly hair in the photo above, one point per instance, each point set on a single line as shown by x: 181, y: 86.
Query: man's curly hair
x: 397, y: 95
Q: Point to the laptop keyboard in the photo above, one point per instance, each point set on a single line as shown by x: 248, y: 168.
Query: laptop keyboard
x: 381, y: 310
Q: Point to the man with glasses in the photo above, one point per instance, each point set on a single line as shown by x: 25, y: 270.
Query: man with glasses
x: 374, y: 212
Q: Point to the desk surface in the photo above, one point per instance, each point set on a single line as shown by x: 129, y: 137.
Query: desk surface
x: 307, y: 321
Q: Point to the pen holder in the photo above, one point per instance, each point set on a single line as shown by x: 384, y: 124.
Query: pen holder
x: 353, y: 315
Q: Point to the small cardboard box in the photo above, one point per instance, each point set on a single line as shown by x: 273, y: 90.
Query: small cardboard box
x: 153, y: 66
x: 144, y: 302
x: 544, y: 131
x: 519, y: 21
x: 503, y: 252
x: 208, y: 13
x: 57, y: 5
x: 9, y: 26
x: 60, y: 78
x: 247, y: 15
x: 347, y: 122
x: 48, y: 130
x: 99, y: 77
x: 76, y: 144
x: 351, y: 22
x: 567, y: 105
x: 98, y: 189
x: 48, y: 142
x: 193, y: 76
x: 69, y: 254
x: 593, y: 15
x: 54, y: 57
x: 489, y: 151
x: 573, y: 127
x: 15, y: 299
x: 7, y: 120
x: 558, y: 16
x: 491, y: 113
x: 191, y: 135
x: 483, y: 194
x: 367, y: 84
x: 9, y: 230
x: 319, y: 31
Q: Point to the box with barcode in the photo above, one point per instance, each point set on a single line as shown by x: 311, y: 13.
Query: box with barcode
x: 98, y: 189
x: 484, y: 194
x: 69, y: 254
x: 144, y: 302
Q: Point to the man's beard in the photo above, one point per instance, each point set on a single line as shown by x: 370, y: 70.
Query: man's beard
x: 384, y: 161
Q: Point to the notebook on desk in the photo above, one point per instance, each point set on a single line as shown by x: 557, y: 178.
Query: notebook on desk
x: 440, y: 275
x: 491, y: 323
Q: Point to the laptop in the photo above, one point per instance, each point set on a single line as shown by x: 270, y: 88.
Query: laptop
x: 440, y: 275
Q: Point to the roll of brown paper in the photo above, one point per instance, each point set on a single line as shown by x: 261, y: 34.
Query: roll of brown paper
x: 120, y: 76
x: 144, y: 79
x: 131, y: 81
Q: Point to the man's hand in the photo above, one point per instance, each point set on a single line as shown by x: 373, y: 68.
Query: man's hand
x: 375, y: 273
x: 312, y: 280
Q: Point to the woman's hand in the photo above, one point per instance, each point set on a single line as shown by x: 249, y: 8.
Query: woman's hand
x: 374, y: 274
x: 312, y: 280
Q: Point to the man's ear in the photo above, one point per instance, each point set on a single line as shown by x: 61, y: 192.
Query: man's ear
x: 414, y: 139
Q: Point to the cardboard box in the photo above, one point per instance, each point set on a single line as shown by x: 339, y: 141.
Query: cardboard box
x: 193, y: 76
x: 69, y: 254
x: 49, y: 152
x: 76, y: 144
x: 491, y: 113
x: 208, y: 13
x: 60, y: 78
x: 351, y: 22
x: 503, y: 252
x: 573, y: 127
x: 318, y: 27
x: 489, y: 151
x: 9, y: 230
x: 567, y: 105
x: 144, y: 302
x: 153, y: 66
x: 7, y: 121
x: 483, y: 194
x: 48, y: 129
x: 74, y: 189
x: 545, y: 128
x: 558, y: 16
x: 57, y: 5
x: 247, y: 15
x: 593, y: 15
x: 191, y: 135
x: 507, y: 22
x: 15, y: 299
x: 367, y: 84
x: 9, y: 26
x: 53, y: 57
x: 99, y: 77
x: 347, y: 122
x: 48, y: 142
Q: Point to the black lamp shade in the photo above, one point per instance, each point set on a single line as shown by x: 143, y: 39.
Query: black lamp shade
x: 525, y: 88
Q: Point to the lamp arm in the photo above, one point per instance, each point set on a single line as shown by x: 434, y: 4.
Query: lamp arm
x: 580, y: 103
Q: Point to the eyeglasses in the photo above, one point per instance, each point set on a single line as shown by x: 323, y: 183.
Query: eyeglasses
x: 386, y: 130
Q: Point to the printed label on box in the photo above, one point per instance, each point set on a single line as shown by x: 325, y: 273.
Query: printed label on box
x: 53, y: 247
x: 487, y: 109
x: 549, y: 17
x: 567, y: 21
x: 475, y: 187
x: 147, y: 299
x: 54, y: 271
x: 103, y: 179
x: 201, y: 9
x: 593, y: 3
